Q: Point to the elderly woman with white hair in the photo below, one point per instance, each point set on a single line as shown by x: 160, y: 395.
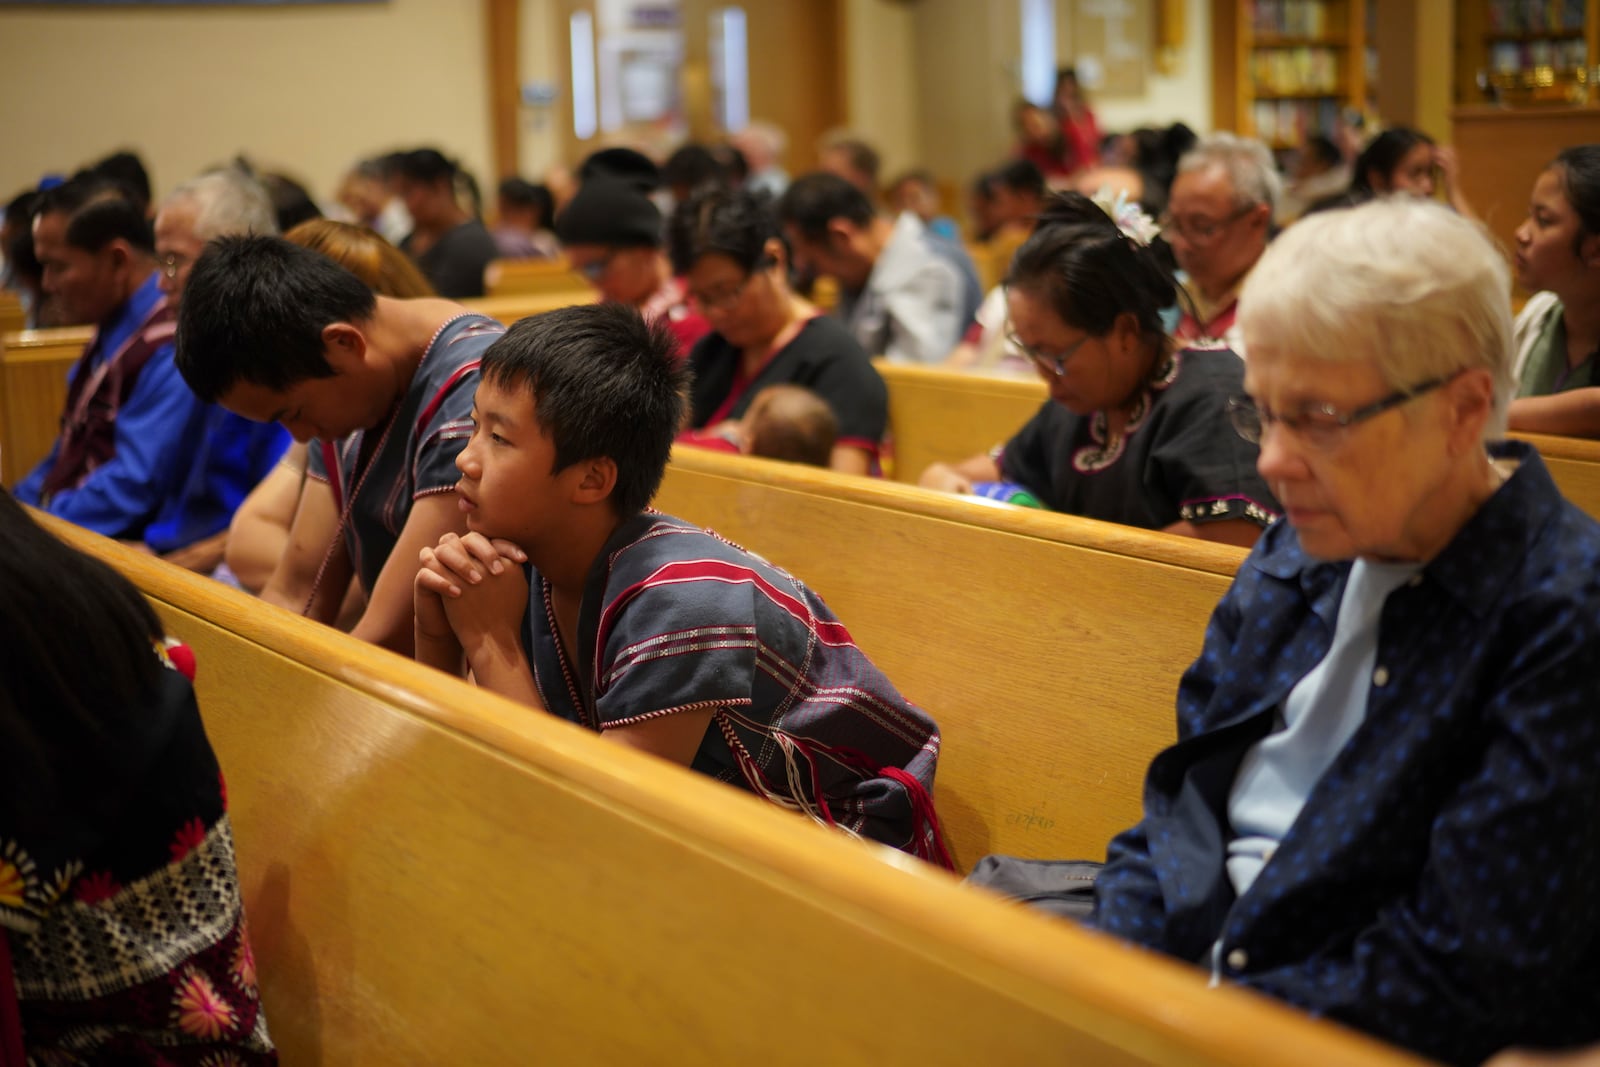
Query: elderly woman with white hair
x: 1382, y: 806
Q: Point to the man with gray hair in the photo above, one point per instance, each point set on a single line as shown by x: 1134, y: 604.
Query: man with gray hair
x: 1218, y: 221
x: 217, y: 203
x: 233, y: 453
x: 763, y: 144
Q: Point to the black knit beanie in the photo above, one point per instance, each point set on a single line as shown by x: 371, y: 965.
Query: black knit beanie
x: 606, y: 211
x: 626, y: 164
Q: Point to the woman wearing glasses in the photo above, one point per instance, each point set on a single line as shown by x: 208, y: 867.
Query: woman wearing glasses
x: 726, y: 244
x: 1381, y: 804
x: 1135, y: 430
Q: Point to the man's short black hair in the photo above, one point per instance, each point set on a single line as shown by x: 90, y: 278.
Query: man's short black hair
x: 814, y: 200
x: 98, y: 211
x: 128, y: 170
x: 1021, y: 176
x: 525, y: 194
x: 426, y: 165
x: 604, y: 383
x: 254, y: 310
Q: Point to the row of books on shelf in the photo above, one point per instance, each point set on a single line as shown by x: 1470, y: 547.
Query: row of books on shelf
x: 1295, y: 70
x: 1288, y: 122
x: 1535, y: 16
x: 1290, y: 18
x: 1508, y: 57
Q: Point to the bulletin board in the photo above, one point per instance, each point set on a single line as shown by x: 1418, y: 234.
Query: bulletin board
x: 1111, y: 45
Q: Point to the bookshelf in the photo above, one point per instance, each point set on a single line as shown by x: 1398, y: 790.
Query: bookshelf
x: 1527, y: 52
x: 1283, y: 69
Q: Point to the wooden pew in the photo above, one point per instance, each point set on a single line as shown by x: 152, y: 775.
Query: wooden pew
x: 513, y: 306
x: 941, y: 416
x: 1047, y: 647
x: 12, y: 317
x: 507, y: 277
x: 938, y: 415
x: 1574, y: 463
x: 33, y: 392
x: 435, y: 875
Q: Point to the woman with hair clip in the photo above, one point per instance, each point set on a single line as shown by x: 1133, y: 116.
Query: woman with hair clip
x: 122, y: 933
x: 1135, y: 430
x: 1557, y: 334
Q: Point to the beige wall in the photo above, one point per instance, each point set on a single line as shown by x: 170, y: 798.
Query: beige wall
x: 1183, y: 94
x: 880, y: 71
x: 304, y: 89
x: 932, y: 82
x: 967, y: 56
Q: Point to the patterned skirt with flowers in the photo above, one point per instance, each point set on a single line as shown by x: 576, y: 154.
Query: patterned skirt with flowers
x: 128, y: 938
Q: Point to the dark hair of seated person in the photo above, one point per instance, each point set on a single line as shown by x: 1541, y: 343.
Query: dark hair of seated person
x: 814, y: 200
x: 98, y: 211
x: 254, y: 311
x: 1089, y: 272
x: 80, y: 661
x: 604, y: 384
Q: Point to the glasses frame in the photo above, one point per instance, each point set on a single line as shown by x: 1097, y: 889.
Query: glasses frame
x: 736, y: 292
x: 170, y: 264
x: 597, y: 269
x: 1170, y: 224
x: 1052, y: 362
x: 1251, y: 421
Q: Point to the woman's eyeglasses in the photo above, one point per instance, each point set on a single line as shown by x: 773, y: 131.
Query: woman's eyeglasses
x: 1053, y: 362
x: 728, y: 295
x: 1321, y: 426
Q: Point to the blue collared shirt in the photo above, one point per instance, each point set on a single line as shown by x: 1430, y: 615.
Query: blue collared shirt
x: 234, y: 455
x: 1437, y: 887
x: 157, y: 431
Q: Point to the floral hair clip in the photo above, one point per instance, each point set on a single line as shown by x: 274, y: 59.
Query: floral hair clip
x: 1130, y: 218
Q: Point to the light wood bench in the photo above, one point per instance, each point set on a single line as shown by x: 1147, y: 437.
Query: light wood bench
x: 1574, y: 463
x: 12, y: 317
x: 33, y: 393
x: 941, y: 416
x: 508, y: 277
x: 1047, y: 647
x: 435, y: 875
x: 513, y: 306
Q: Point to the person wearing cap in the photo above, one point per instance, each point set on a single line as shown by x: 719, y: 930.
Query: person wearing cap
x: 613, y: 235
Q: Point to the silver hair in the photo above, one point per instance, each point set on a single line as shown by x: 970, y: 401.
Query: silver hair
x: 1247, y: 162
x: 1406, y: 283
x: 227, y: 202
x: 771, y: 135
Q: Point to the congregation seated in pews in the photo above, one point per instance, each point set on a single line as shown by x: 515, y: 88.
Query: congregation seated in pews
x: 1384, y: 719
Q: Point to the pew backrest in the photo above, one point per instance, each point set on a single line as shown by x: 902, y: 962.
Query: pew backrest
x: 508, y: 277
x: 435, y: 875
x: 1574, y: 464
x: 510, y: 307
x: 12, y: 317
x: 1047, y: 647
x: 33, y: 394
x: 942, y: 416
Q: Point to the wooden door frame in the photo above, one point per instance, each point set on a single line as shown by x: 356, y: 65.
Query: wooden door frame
x: 502, y: 26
